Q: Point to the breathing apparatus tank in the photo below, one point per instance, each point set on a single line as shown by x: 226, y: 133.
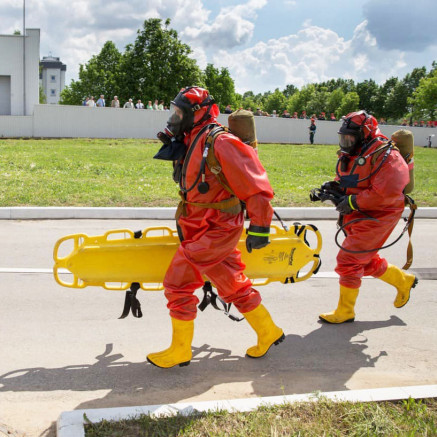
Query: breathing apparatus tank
x: 404, y: 141
x: 242, y: 124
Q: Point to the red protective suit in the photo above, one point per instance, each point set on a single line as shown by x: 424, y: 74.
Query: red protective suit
x: 210, y: 236
x: 379, y: 196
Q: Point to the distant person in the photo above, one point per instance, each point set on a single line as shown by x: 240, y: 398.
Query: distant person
x: 286, y: 114
x: 295, y: 115
x: 139, y: 105
x: 91, y: 103
x: 161, y: 105
x: 333, y: 117
x: 274, y: 114
x: 312, y: 128
x: 129, y: 105
x: 228, y: 109
x: 115, y: 102
x: 155, y: 105
x: 101, y: 102
x: 258, y: 112
x: 303, y: 116
x: 321, y: 116
x: 404, y: 122
x: 149, y: 105
x: 85, y: 102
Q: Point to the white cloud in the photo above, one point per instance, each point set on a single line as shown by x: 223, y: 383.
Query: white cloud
x: 76, y: 30
x: 314, y: 54
x: 232, y: 27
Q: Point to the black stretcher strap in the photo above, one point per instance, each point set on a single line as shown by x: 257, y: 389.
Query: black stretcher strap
x: 131, y: 302
x: 210, y: 298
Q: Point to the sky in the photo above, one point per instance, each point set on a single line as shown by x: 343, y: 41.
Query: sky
x: 265, y: 44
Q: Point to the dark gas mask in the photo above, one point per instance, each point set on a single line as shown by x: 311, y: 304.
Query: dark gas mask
x: 348, y: 143
x: 180, y: 120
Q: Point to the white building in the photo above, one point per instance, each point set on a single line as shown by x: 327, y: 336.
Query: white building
x: 52, y: 78
x: 19, y: 73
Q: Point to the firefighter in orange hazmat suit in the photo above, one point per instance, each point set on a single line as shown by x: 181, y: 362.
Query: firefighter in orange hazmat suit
x: 210, y: 222
x: 371, y: 177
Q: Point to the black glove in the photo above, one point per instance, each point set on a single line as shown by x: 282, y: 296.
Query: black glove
x: 347, y: 205
x: 333, y: 187
x: 171, y: 150
x: 257, y: 237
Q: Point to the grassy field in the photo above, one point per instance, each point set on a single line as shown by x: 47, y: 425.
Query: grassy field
x: 89, y: 172
x: 322, y: 418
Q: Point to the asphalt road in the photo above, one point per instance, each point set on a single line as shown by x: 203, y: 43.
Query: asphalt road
x: 64, y: 349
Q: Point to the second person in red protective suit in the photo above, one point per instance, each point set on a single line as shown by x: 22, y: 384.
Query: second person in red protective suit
x: 371, y: 177
x: 210, y: 222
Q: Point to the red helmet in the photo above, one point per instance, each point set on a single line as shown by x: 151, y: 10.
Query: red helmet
x: 360, y: 125
x: 197, y: 105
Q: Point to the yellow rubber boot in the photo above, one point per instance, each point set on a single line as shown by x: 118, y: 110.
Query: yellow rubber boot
x: 179, y: 351
x: 404, y: 282
x: 345, y: 309
x: 268, y: 333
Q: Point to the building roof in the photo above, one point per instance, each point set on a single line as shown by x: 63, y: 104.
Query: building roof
x: 52, y: 62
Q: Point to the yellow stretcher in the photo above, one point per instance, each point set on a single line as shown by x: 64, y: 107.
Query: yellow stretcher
x: 119, y: 258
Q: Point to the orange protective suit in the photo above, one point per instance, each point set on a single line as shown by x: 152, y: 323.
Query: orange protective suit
x: 210, y: 236
x: 380, y: 196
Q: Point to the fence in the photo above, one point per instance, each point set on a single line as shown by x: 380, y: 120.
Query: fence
x: 57, y: 121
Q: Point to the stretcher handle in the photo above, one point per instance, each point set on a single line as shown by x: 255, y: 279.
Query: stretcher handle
x: 117, y: 231
x: 75, y: 238
x: 316, y: 262
x: 165, y: 229
x: 316, y: 253
x: 261, y: 282
x: 77, y: 282
x: 314, y: 229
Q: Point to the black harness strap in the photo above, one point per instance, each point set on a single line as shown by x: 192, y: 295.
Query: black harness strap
x: 210, y: 297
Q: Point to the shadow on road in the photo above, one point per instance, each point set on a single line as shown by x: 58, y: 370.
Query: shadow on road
x: 325, y: 359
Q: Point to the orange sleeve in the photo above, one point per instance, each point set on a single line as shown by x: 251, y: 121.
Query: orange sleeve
x: 246, y: 177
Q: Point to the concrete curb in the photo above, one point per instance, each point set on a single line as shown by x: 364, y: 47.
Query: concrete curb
x: 71, y: 423
x: 56, y: 213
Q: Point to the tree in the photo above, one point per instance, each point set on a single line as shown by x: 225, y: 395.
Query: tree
x: 275, y: 102
x: 367, y: 92
x: 347, y: 85
x: 220, y: 85
x: 101, y: 75
x: 412, y: 80
x: 298, y: 102
x: 350, y: 103
x: 381, y: 96
x: 157, y: 65
x: 396, y: 103
x: 318, y: 102
x: 289, y: 91
x: 424, y: 99
x: 42, y: 96
x: 335, y: 99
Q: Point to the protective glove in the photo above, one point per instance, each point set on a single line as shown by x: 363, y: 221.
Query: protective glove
x: 171, y: 150
x: 257, y: 237
x: 347, y: 204
x: 333, y: 187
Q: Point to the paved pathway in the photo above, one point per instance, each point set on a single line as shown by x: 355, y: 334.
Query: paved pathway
x: 64, y: 349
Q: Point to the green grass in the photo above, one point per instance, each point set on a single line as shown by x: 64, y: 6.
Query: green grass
x: 95, y: 172
x: 321, y: 418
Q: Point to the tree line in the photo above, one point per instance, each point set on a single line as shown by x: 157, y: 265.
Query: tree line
x: 157, y: 65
